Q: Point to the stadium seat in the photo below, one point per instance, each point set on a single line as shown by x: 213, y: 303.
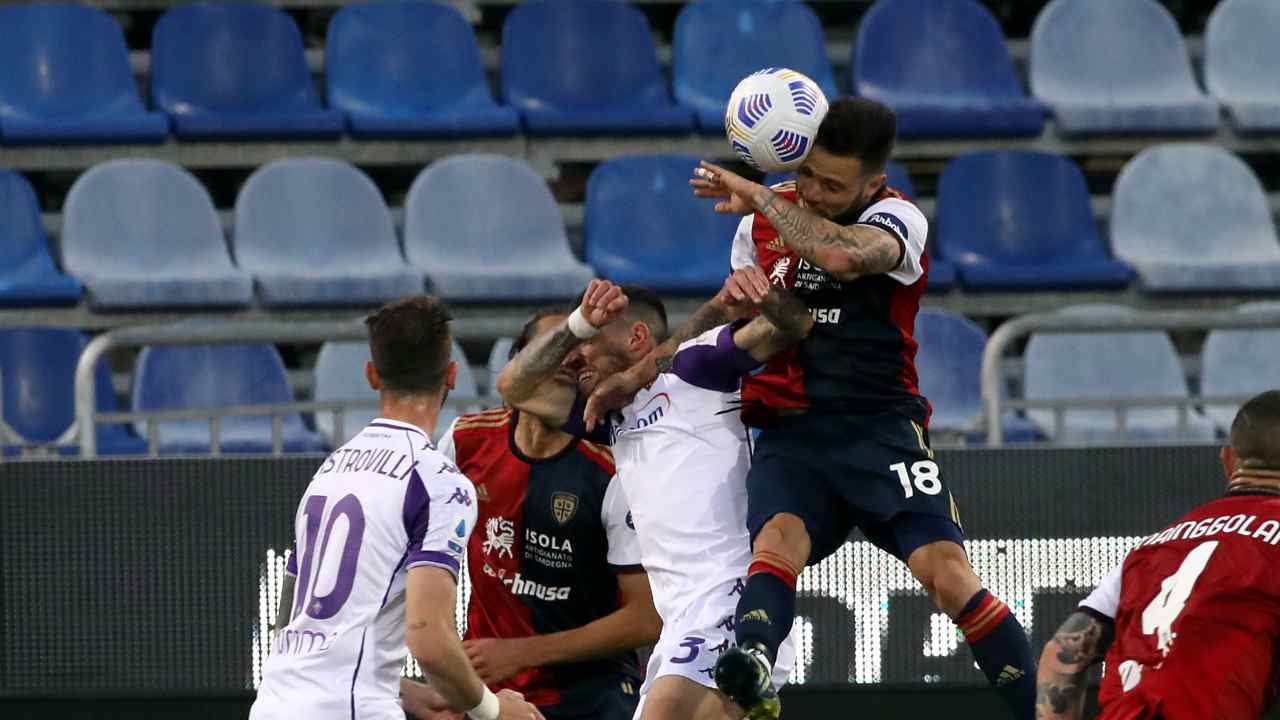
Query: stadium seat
x: 375, y: 59
x: 949, y: 362
x: 1194, y: 218
x: 944, y: 68
x: 1240, y: 57
x: 37, y: 369
x: 339, y: 375
x: 498, y: 357
x: 644, y: 227
x: 65, y: 78
x: 475, y: 249
x: 27, y: 272
x: 211, y: 376
x: 1022, y: 220
x: 575, y: 67
x: 235, y: 70
x: 1239, y: 362
x: 144, y: 234
x: 1110, y: 67
x: 315, y: 231
x: 1113, y: 366
x: 716, y: 43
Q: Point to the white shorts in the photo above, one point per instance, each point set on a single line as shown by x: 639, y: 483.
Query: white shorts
x: 691, y: 644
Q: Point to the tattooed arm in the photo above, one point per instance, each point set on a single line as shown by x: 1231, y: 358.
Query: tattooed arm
x: 784, y: 320
x: 1063, y: 676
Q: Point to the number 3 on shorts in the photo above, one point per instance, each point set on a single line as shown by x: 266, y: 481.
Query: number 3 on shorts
x: 923, y: 476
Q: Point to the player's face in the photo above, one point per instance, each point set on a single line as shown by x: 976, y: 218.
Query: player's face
x: 832, y: 185
x: 604, y: 354
x: 568, y: 372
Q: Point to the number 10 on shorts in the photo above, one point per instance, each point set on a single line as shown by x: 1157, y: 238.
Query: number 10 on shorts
x: 923, y: 477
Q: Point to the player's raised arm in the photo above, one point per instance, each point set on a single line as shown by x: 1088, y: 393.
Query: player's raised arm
x: 526, y: 383
x: 1061, y: 680
x: 784, y: 319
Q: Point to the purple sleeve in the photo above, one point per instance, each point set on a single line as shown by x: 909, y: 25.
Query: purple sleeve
x: 717, y: 365
x: 291, y: 565
x: 576, y: 425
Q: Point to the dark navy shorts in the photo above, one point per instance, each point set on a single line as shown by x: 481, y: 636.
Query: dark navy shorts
x: 840, y: 472
x: 617, y: 702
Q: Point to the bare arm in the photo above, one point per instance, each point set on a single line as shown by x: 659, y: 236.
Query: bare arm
x: 784, y: 321
x: 432, y: 637
x: 1062, y: 678
x: 421, y: 701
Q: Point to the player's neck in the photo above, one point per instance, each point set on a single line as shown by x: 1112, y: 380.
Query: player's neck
x: 537, y: 440
x: 421, y: 411
x: 1255, y: 479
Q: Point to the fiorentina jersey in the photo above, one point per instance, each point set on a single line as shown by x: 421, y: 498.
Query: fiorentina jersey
x: 860, y: 356
x: 682, y: 455
x: 385, y: 502
x: 552, y: 534
x: 1197, y: 613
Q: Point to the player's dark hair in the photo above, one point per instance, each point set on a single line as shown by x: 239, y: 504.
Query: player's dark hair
x: 410, y: 343
x: 859, y: 127
x: 530, y: 329
x: 1255, y: 433
x: 644, y: 305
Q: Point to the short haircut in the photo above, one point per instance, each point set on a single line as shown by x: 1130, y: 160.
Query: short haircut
x: 1255, y: 433
x: 530, y: 329
x: 410, y: 343
x: 859, y: 127
x: 644, y: 305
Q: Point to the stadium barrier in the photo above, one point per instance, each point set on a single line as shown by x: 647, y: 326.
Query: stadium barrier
x: 159, y: 578
x: 994, y: 399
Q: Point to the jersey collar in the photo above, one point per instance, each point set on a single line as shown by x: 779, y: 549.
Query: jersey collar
x: 399, y: 425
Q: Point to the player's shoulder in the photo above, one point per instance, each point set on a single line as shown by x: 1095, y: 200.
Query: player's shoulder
x: 597, y: 453
x: 440, y: 476
x: 709, y: 338
x: 488, y: 421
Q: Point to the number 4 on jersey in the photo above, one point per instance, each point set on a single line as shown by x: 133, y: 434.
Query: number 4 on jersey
x: 1168, y: 604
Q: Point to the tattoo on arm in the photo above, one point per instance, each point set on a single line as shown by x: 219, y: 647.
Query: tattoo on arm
x: 539, y: 360
x: 787, y: 313
x: 813, y: 237
x: 1081, y: 642
x: 712, y: 314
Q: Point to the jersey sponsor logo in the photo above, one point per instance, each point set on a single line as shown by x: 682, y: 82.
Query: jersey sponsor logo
x: 825, y: 316
x: 890, y: 223
x: 302, y: 642
x: 521, y: 586
x: 499, y: 536
x: 547, y: 549
x: 460, y: 496
x: 778, y: 275
x: 812, y: 278
x: 652, y: 411
x: 548, y: 541
x: 564, y: 506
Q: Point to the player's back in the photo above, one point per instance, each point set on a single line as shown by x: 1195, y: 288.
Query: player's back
x: 1199, y: 617
x: 360, y: 526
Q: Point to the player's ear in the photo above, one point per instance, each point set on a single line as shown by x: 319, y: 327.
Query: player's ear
x: 371, y: 374
x: 639, y: 336
x: 1228, y: 461
x: 451, y: 375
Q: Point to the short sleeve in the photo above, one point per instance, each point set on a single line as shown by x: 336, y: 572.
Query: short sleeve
x: 439, y: 516
x: 291, y: 565
x: 620, y: 531
x: 713, y: 361
x: 1105, y: 598
x: 576, y: 424
x: 905, y: 222
x: 446, y: 446
x: 743, y: 253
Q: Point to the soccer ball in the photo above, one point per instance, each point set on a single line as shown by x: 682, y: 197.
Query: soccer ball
x: 772, y: 118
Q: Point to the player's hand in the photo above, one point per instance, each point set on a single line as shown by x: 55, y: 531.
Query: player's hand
x: 613, y: 393
x: 734, y: 191
x: 602, y: 303
x: 745, y: 290
x: 494, y: 659
x: 511, y: 706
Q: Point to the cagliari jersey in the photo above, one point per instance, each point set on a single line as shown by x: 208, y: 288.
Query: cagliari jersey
x: 860, y: 356
x: 1197, y: 613
x: 682, y: 455
x: 382, y: 504
x: 551, y: 535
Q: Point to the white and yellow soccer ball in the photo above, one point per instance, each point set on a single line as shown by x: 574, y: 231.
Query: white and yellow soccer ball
x: 772, y: 118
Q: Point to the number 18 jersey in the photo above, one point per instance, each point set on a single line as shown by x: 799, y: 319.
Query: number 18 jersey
x: 1199, y: 617
x: 385, y: 502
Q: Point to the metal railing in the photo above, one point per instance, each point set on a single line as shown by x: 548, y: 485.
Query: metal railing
x: 88, y: 417
x: 995, y: 403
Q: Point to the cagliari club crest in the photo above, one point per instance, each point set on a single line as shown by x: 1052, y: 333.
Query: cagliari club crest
x: 563, y: 506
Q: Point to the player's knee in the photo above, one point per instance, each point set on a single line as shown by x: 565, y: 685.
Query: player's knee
x: 944, y: 571
x: 786, y: 535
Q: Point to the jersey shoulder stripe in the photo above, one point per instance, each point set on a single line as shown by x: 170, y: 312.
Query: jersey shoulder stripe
x: 599, y: 454
x: 497, y: 418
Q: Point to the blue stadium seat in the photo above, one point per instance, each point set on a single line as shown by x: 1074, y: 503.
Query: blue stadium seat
x: 1239, y: 362
x: 144, y: 234
x: 474, y: 249
x: 949, y: 362
x: 944, y: 68
x: 65, y: 78
x: 1113, y: 366
x: 375, y: 59
x: 37, y: 368
x: 1240, y: 57
x: 643, y: 226
x: 718, y: 42
x: 27, y: 272
x: 210, y: 376
x: 315, y: 231
x: 1194, y: 218
x: 1021, y: 220
x: 235, y: 70
x: 1111, y: 67
x: 574, y: 67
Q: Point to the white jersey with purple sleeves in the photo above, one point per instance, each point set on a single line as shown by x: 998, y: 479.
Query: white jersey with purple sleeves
x: 385, y: 502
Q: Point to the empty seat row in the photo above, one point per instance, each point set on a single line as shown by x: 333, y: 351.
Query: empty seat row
x: 573, y: 67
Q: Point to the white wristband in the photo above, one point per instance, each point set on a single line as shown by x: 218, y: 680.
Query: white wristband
x: 487, y: 709
x: 579, y: 326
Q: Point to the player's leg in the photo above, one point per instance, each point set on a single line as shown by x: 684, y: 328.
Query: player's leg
x: 673, y: 697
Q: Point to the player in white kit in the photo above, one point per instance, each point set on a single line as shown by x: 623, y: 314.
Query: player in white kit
x: 380, y: 533
x: 682, y: 455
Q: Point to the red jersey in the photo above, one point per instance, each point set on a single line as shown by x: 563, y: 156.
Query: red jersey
x: 1199, y: 617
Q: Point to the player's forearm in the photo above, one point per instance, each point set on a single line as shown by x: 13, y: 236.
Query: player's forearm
x: 845, y: 252
x: 1065, y: 663
x: 535, y: 364
x: 419, y: 699
x: 787, y: 314
x: 435, y: 645
x: 627, y: 628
